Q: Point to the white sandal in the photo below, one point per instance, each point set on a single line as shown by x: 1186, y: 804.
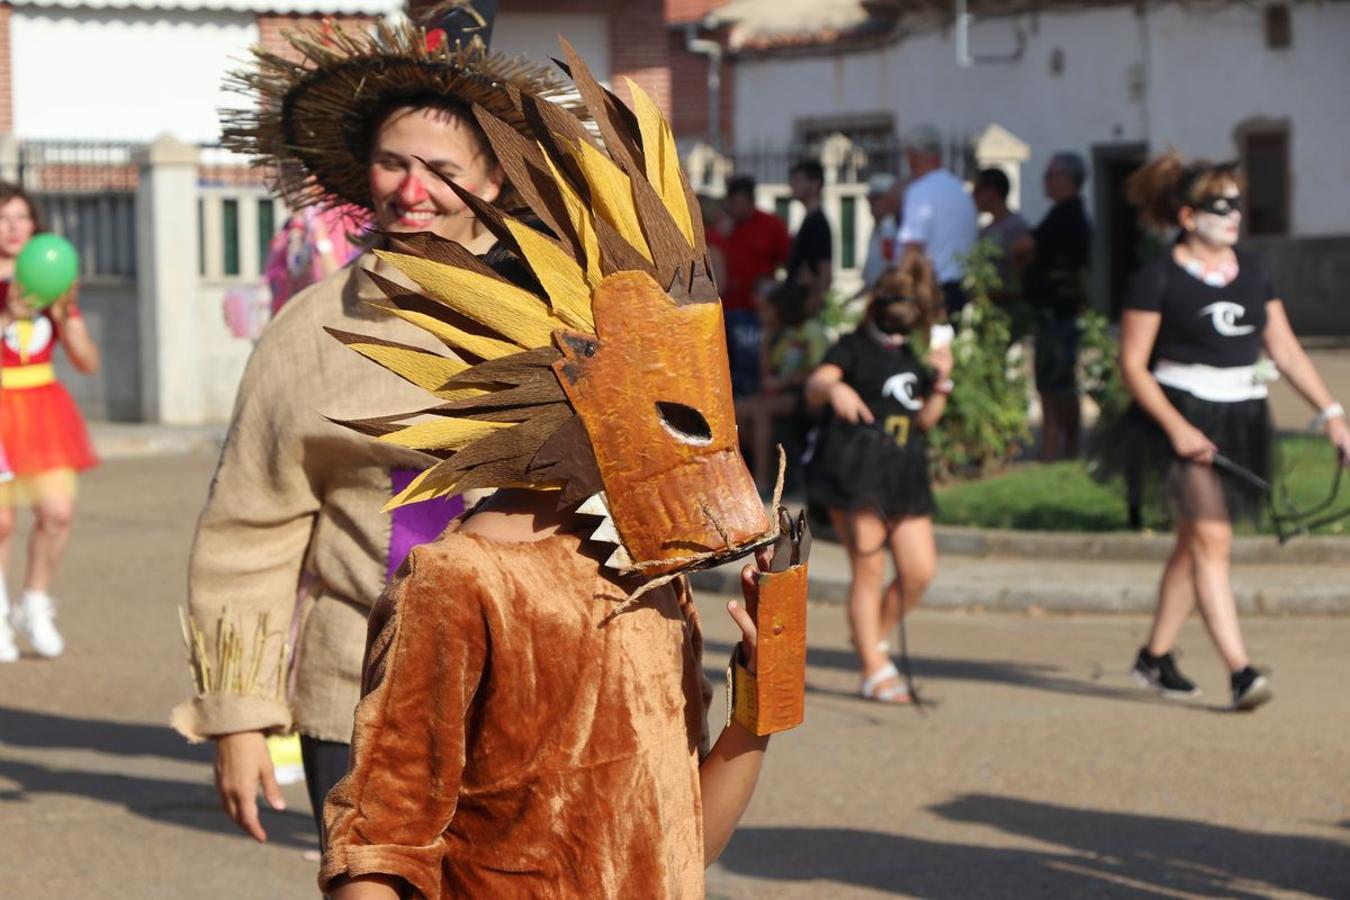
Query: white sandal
x: 872, y: 689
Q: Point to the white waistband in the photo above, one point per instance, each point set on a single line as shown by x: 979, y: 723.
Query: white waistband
x: 1219, y: 385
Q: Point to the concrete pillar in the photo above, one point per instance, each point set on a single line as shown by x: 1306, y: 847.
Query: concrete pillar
x: 172, y: 376
x: 9, y: 158
x: 997, y: 147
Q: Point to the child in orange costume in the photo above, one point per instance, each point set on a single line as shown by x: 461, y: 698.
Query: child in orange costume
x: 534, y: 716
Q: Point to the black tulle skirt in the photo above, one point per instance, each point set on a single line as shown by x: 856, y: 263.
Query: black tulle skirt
x: 1134, y: 452
x: 860, y: 466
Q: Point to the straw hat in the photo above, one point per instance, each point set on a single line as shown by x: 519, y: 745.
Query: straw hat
x: 313, y: 117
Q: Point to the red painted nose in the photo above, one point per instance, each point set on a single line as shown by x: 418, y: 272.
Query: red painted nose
x: 411, y: 191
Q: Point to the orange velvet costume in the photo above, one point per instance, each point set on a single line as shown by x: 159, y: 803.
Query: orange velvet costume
x: 563, y: 756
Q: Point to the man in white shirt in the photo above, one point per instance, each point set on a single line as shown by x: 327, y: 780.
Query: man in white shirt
x: 883, y: 196
x: 939, y: 216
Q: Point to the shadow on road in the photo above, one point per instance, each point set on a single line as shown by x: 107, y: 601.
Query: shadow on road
x: 29, y: 728
x: 1105, y: 855
x: 188, y: 804
x: 1040, y: 676
x: 1189, y: 856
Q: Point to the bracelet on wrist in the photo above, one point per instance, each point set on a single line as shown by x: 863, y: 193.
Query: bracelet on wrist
x: 945, y: 386
x: 1329, y: 412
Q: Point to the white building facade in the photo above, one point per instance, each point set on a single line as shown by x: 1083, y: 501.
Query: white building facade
x: 1268, y: 84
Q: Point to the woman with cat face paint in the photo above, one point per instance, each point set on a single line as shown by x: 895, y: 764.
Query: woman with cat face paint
x: 1195, y: 324
x: 871, y: 466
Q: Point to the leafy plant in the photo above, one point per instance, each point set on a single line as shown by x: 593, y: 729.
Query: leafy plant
x: 1099, y: 361
x: 985, y: 424
x: 840, y: 313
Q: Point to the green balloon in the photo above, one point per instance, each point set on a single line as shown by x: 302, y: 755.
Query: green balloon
x: 46, y: 268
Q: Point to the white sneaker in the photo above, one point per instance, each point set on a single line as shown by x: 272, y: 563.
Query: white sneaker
x: 9, y: 651
x: 33, y: 618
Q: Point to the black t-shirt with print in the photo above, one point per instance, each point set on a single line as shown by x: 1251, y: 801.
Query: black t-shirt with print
x: 811, y: 245
x: 1213, y: 326
x: 891, y: 381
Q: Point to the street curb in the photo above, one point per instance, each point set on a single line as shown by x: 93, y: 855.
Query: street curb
x: 113, y: 440
x: 1130, y: 547
x: 1110, y: 597
x: 125, y: 441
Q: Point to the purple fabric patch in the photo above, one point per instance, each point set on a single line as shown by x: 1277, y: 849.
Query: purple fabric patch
x: 416, y: 523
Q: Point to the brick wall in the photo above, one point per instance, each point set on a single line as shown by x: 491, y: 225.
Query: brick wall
x: 6, y: 73
x: 637, y: 39
x: 689, y: 90
x: 639, y: 49
x: 270, y: 28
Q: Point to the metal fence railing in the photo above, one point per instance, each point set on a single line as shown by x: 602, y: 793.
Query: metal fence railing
x: 846, y: 160
x: 86, y: 192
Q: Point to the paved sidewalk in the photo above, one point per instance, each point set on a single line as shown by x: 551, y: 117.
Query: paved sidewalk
x: 978, y: 568
x: 1038, y: 772
x: 1088, y: 573
x: 127, y: 440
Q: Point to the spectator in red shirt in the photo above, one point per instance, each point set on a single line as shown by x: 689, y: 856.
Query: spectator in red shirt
x: 755, y: 244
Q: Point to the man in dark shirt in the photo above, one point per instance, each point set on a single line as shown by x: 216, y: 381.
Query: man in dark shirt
x: 809, y: 262
x: 755, y: 245
x: 1055, y: 285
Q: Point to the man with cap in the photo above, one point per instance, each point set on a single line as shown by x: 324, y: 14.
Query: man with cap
x: 883, y: 196
x: 939, y: 216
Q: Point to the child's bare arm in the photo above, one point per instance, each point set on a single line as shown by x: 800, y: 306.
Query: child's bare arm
x: 728, y: 778
x: 730, y: 772
x: 369, y: 887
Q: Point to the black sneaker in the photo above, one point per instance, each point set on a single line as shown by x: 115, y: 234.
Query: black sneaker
x: 1161, y: 674
x: 1250, y: 689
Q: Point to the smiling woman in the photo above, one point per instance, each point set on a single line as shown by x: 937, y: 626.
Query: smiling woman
x: 293, y: 530
x: 418, y: 146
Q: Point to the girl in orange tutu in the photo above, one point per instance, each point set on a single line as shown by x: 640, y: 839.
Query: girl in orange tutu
x: 41, y: 431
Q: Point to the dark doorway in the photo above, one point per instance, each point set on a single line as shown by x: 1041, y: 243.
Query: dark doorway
x: 1121, y: 246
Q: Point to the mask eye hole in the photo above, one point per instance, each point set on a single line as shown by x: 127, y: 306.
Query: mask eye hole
x: 685, y: 422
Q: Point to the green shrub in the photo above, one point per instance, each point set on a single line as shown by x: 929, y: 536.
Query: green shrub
x: 840, y: 313
x: 1099, y: 362
x: 985, y: 425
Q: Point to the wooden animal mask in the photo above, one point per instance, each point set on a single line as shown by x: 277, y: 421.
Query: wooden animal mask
x: 599, y: 367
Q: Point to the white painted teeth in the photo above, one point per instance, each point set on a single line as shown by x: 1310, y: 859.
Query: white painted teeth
x: 596, y: 505
x: 619, y: 559
x: 606, y: 531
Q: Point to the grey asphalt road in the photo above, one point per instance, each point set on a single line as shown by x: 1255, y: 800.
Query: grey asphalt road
x: 1038, y: 771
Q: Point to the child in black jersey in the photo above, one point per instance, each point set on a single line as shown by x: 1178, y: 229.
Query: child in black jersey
x: 1194, y: 327
x: 871, y: 465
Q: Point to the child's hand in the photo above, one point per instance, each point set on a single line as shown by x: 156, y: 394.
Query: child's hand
x: 940, y: 358
x: 848, y: 406
x: 743, y: 614
x: 1338, y: 432
x: 60, y: 309
x: 17, y: 305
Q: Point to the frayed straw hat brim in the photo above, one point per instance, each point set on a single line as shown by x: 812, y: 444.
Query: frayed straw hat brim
x: 312, y: 121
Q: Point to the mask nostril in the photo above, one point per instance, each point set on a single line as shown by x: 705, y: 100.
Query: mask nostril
x: 685, y: 422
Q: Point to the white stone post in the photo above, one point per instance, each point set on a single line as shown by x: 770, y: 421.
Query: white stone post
x: 997, y: 147
x: 167, y: 266
x: 9, y: 158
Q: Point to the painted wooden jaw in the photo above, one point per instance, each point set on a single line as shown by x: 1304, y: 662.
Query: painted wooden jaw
x: 653, y: 390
